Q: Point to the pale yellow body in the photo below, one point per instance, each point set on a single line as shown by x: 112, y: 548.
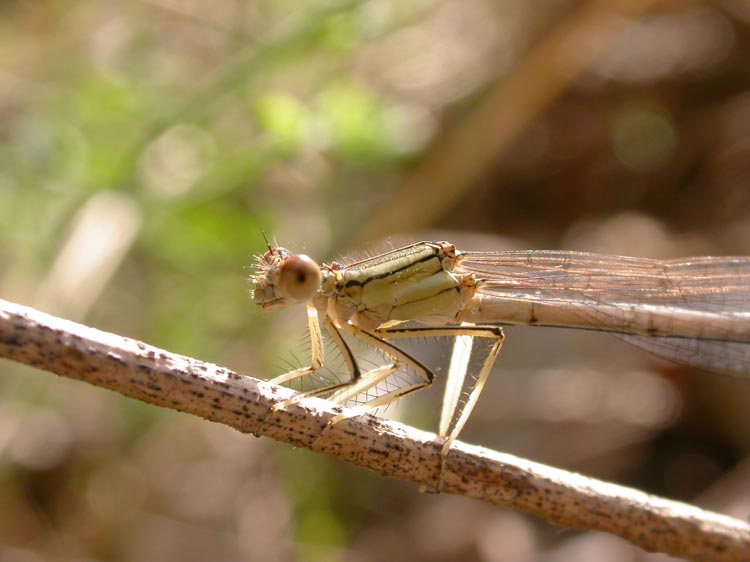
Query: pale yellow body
x: 413, y: 284
x: 694, y: 310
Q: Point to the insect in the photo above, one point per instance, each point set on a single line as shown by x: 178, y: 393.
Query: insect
x: 693, y: 310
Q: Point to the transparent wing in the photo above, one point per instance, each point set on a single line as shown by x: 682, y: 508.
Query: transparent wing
x: 726, y: 357
x: 596, y: 288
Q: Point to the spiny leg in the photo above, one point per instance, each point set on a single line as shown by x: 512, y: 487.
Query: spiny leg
x: 457, y: 371
x: 358, y: 383
x: 477, y: 388
x: 456, y: 374
x: 316, y: 349
x: 459, y: 363
x: 454, y: 382
x: 376, y: 376
x: 354, y: 372
x: 316, y: 363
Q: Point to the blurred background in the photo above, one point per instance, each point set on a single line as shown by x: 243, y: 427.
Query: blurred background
x: 143, y: 145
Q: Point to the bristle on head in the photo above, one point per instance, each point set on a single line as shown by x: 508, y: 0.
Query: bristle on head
x: 282, y: 278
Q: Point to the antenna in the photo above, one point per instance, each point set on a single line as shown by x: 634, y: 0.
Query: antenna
x: 268, y: 244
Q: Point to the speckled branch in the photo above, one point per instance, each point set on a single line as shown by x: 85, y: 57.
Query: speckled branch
x: 158, y: 377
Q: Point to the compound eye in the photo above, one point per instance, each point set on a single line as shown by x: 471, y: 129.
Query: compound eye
x: 299, y: 278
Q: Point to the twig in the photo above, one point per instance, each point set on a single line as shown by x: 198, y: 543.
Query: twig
x: 158, y: 377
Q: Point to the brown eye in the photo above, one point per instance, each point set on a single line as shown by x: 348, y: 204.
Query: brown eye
x: 299, y: 278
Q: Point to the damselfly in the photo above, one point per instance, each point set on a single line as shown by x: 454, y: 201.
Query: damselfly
x: 693, y: 310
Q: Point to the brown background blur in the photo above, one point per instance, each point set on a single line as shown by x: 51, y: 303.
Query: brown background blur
x: 144, y: 144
